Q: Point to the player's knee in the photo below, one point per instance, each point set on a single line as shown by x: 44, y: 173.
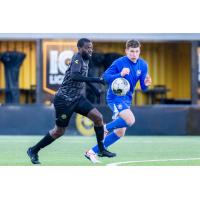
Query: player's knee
x: 120, y: 132
x: 98, y: 120
x: 130, y: 121
x: 57, y: 132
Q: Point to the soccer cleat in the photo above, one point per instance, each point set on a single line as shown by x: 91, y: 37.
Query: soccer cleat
x: 106, y: 153
x: 90, y: 155
x: 33, y: 156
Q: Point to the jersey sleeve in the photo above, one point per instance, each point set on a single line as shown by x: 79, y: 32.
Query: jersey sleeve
x: 112, y: 72
x: 76, y: 65
x: 143, y: 76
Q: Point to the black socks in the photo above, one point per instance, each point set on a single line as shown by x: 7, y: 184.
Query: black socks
x: 46, y: 140
x: 100, y: 136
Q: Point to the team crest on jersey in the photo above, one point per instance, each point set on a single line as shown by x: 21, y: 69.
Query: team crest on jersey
x: 138, y: 72
x: 76, y: 61
x: 63, y: 116
x: 119, y: 106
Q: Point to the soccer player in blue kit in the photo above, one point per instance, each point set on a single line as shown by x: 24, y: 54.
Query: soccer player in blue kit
x: 134, y: 69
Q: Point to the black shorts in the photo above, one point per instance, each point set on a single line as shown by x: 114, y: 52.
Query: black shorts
x: 64, y: 111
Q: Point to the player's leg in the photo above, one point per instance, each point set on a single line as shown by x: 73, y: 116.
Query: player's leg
x: 99, y: 130
x: 110, y: 139
x: 120, y: 132
x: 63, y: 114
x: 128, y: 116
x: 125, y: 117
x: 116, y: 132
x: 86, y: 108
x: 51, y: 136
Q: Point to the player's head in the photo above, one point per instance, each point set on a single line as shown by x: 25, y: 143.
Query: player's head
x: 85, y: 48
x: 133, y: 49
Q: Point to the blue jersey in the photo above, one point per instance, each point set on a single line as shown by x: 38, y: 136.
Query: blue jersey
x: 138, y: 72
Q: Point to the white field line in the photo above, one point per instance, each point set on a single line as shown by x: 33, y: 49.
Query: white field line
x: 149, y: 161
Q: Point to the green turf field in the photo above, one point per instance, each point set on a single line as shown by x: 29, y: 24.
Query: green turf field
x: 131, y: 151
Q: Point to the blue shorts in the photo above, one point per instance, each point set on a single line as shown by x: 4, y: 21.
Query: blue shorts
x: 118, y: 106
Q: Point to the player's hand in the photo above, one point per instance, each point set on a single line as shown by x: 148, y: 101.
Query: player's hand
x: 148, y: 80
x: 125, y: 71
x: 102, y: 81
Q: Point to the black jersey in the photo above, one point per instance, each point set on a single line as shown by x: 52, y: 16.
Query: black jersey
x: 70, y: 89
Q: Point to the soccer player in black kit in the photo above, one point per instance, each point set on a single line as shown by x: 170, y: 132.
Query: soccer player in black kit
x: 69, y: 99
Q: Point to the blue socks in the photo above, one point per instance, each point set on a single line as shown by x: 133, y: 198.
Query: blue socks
x: 112, y: 137
x: 109, y: 139
x: 118, y: 123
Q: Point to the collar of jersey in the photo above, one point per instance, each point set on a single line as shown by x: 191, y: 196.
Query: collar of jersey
x: 132, y: 61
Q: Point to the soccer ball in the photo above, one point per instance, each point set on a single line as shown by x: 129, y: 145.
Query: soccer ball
x: 120, y: 86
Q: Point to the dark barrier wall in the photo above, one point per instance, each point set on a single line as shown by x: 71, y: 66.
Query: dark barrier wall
x: 150, y: 120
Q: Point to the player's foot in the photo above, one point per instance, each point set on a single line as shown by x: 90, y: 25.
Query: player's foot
x: 90, y: 155
x: 33, y: 156
x: 106, y: 153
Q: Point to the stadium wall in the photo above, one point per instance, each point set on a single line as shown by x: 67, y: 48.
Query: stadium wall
x: 163, y: 68
x: 27, y: 76
x: 150, y: 120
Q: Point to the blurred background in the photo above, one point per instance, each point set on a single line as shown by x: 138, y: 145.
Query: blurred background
x: 32, y: 67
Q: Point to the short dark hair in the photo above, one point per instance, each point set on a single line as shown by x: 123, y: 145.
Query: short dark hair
x: 133, y: 44
x: 82, y: 41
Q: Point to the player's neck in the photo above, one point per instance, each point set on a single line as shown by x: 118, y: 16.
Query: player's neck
x: 85, y: 58
x: 134, y: 61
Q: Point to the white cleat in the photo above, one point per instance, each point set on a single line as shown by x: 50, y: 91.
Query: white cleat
x: 90, y: 155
